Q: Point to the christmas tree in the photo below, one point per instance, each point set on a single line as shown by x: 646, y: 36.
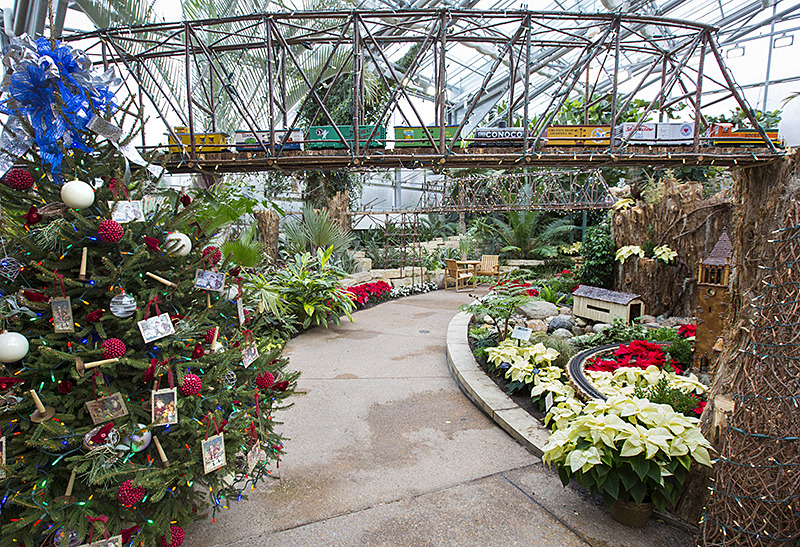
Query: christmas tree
x: 136, y: 390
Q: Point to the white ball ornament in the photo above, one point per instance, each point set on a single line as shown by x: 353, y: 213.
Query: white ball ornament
x: 13, y: 347
x: 77, y: 194
x: 178, y: 244
x: 139, y: 442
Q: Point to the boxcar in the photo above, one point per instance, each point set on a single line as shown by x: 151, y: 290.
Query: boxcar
x: 498, y: 136
x: 578, y: 135
x: 325, y: 136
x: 659, y: 134
x: 414, y: 136
x: 245, y: 141
x: 723, y: 134
x: 203, y: 142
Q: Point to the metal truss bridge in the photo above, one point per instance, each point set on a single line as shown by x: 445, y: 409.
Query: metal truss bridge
x: 268, y: 72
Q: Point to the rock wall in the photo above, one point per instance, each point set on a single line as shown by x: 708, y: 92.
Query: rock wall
x: 687, y: 223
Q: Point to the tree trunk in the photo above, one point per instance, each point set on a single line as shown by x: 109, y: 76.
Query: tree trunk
x: 268, y: 230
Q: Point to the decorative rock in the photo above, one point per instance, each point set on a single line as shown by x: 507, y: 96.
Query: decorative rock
x: 579, y: 321
x: 560, y: 322
x: 588, y: 329
x: 600, y: 327
x: 537, y: 325
x: 653, y: 325
x: 648, y: 319
x: 676, y: 321
x: 564, y: 310
x: 538, y: 309
x: 564, y: 334
x: 578, y: 331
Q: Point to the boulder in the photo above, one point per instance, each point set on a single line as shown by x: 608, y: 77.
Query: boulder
x: 580, y: 321
x: 357, y: 279
x: 538, y: 309
x: 537, y: 325
x: 578, y: 331
x: 600, y: 327
x: 564, y: 334
x: 564, y: 310
x: 648, y: 319
x: 588, y: 329
x: 560, y: 322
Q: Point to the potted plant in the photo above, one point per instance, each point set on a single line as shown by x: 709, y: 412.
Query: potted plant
x: 636, y: 453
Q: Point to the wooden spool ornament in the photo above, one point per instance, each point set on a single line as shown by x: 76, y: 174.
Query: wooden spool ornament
x: 68, y: 497
x: 82, y: 368
x: 42, y: 412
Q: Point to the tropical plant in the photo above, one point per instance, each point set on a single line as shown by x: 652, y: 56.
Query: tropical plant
x: 309, y: 288
x: 499, y: 304
x: 549, y: 294
x: 436, y: 225
x: 483, y: 338
x: 315, y: 230
x: 597, y: 268
x: 628, y: 449
x: 531, y: 234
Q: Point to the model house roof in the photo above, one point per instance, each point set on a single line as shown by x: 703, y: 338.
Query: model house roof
x: 605, y: 295
x: 721, y: 253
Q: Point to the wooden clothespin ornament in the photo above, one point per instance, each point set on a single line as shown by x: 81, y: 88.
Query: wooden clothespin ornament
x: 214, y: 344
x: 160, y: 451
x: 42, y: 412
x: 82, y: 368
x: 166, y: 282
x: 84, y: 258
x: 68, y: 497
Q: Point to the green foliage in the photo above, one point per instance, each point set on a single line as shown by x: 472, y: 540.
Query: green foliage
x: 663, y: 334
x: 483, y: 338
x: 563, y: 347
x: 548, y: 269
x: 597, y: 250
x: 682, y: 351
x: 436, y: 226
x: 320, y: 186
x: 549, y: 294
x: 530, y: 234
x: 435, y: 260
x: 499, y: 304
x: 310, y: 288
x: 315, y: 230
x: 619, y: 331
x: 662, y: 393
x: 245, y: 251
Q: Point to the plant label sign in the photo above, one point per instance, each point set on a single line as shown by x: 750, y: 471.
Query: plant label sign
x: 521, y: 333
x: 548, y: 401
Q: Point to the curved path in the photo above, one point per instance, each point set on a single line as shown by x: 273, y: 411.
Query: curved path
x: 385, y: 450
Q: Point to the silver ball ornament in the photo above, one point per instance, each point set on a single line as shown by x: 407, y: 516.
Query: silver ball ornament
x: 123, y: 305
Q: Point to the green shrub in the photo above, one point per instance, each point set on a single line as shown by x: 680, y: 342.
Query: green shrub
x: 681, y: 351
x: 598, y: 254
x: 550, y: 268
x: 619, y: 331
x: 483, y: 338
x: 664, y: 334
x: 661, y: 393
x: 500, y: 304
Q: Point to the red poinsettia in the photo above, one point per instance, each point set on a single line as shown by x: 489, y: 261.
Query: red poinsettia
x: 152, y: 243
x: 687, y: 331
x: 32, y: 216
x: 369, y: 292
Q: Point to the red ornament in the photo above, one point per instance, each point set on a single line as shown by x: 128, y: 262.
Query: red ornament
x: 265, y: 380
x: 35, y: 296
x: 94, y: 316
x: 191, y: 385
x: 198, y: 351
x: 212, y: 254
x: 209, y: 337
x: 19, y: 179
x: 177, y: 537
x: 282, y: 386
x: 113, y: 347
x: 174, y: 317
x: 64, y: 386
x: 110, y: 231
x: 8, y: 383
x: 32, y: 216
x: 152, y: 243
x: 102, y: 434
x: 128, y: 494
x: 185, y: 200
x: 234, y: 272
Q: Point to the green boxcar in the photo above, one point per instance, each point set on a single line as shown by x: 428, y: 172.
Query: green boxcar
x: 415, y: 136
x: 325, y: 136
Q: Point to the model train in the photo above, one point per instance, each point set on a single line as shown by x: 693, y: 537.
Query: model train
x: 330, y: 137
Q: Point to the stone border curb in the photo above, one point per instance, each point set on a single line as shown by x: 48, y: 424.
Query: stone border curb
x: 482, y: 391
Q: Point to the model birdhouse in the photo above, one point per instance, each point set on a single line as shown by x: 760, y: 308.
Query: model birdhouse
x: 712, y: 301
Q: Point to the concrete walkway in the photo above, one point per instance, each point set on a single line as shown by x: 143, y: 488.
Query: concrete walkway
x: 385, y: 450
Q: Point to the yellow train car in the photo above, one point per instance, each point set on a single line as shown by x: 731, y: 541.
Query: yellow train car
x: 203, y: 142
x: 578, y: 135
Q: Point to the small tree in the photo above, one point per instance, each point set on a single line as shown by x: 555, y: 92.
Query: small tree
x: 597, y: 250
x: 501, y: 302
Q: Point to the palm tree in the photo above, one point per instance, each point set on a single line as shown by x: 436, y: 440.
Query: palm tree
x: 531, y: 234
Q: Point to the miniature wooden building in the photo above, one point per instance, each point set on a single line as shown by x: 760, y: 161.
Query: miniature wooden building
x: 712, y: 300
x: 604, y: 305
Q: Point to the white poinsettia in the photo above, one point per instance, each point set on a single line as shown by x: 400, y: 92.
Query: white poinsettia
x: 665, y: 254
x: 623, y: 253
